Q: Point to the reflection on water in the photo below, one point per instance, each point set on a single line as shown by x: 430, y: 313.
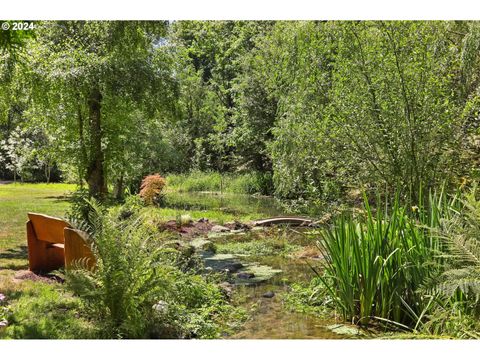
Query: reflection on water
x: 271, y: 320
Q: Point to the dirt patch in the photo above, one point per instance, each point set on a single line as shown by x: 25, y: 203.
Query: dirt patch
x: 28, y: 275
x: 199, y: 228
x: 188, y: 231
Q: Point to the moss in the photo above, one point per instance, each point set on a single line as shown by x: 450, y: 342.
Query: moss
x: 262, y: 247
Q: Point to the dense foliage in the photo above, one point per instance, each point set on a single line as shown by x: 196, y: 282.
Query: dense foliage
x: 315, y: 108
x: 403, y: 269
x: 142, y: 287
x: 313, y: 112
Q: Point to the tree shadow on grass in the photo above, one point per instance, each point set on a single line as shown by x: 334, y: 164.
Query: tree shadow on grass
x: 59, y: 198
x: 19, y: 253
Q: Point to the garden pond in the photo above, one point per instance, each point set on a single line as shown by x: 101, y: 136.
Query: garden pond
x: 261, y: 264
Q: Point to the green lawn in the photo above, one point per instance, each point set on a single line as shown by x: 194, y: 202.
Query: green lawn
x: 16, y: 200
x: 40, y: 309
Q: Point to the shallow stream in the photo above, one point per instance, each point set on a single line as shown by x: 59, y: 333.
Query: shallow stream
x: 269, y: 318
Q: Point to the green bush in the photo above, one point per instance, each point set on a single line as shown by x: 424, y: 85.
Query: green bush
x: 132, y: 205
x: 137, y: 289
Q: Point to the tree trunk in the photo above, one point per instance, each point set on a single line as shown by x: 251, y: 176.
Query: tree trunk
x: 119, y: 188
x: 47, y: 172
x: 95, y: 172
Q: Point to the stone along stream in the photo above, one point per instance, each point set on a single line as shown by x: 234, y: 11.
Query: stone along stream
x: 261, y: 263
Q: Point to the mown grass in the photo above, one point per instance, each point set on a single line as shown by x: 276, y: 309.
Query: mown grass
x: 16, y: 200
x: 37, y: 309
x: 46, y: 309
x: 40, y: 310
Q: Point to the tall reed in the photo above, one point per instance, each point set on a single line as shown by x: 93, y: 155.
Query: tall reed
x: 376, y: 264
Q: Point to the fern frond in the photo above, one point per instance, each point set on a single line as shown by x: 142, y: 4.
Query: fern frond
x: 466, y: 280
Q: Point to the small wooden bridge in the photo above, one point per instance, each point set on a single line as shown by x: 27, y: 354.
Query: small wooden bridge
x: 284, y: 220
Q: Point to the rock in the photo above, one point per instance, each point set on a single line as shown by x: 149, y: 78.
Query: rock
x: 223, y: 262
x: 161, y: 307
x: 204, y: 245
x: 3, y: 323
x: 237, y: 225
x: 245, y: 275
x: 219, y: 228
x: 226, y: 288
x: 269, y: 294
x: 343, y: 329
x: 233, y: 267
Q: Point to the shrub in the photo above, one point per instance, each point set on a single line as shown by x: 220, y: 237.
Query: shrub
x: 251, y: 183
x: 151, y: 189
x: 458, y: 287
x: 80, y: 212
x: 132, y: 205
x: 137, y: 289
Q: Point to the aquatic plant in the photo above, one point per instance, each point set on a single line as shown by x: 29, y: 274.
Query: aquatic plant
x: 376, y: 265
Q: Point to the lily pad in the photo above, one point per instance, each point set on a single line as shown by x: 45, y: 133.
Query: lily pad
x: 262, y: 273
x: 343, y: 329
x: 223, y: 262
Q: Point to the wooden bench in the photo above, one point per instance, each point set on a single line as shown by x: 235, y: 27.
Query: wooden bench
x: 53, y: 243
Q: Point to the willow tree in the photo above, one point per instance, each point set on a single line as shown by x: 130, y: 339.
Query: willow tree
x: 367, y: 105
x: 89, y: 77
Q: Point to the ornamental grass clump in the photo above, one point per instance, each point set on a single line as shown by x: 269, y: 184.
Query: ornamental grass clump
x: 151, y: 189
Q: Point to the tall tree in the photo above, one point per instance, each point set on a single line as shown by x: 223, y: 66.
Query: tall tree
x: 88, y: 72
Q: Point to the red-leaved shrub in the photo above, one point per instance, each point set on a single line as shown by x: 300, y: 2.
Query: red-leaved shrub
x: 151, y: 188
